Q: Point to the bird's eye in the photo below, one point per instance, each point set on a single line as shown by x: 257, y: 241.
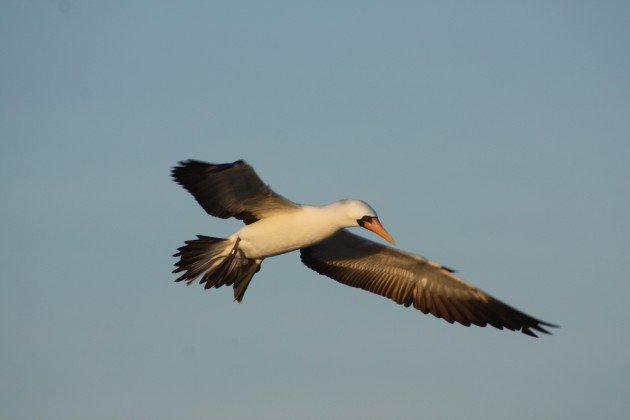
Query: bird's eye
x: 364, y: 220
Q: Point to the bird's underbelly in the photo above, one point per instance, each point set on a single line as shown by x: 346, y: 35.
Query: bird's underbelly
x: 278, y: 235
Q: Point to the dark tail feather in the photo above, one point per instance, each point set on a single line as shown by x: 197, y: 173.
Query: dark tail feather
x: 241, y: 284
x: 216, y: 263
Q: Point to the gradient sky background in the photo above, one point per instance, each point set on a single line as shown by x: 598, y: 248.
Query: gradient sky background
x: 493, y: 137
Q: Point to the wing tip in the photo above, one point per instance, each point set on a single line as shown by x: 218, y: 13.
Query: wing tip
x: 194, y: 165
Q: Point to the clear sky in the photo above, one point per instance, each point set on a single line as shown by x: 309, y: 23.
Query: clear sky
x: 492, y: 137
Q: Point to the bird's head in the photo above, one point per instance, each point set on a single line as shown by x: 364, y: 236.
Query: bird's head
x: 361, y: 214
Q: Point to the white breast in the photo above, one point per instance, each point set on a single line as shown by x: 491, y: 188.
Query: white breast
x: 287, y: 232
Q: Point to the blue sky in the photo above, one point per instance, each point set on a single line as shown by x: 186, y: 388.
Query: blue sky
x: 493, y: 137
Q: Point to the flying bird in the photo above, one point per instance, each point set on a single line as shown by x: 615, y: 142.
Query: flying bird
x: 275, y: 225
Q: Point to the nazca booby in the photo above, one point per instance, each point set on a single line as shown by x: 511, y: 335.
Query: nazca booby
x: 275, y: 225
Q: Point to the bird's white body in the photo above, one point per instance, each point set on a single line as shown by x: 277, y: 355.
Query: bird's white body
x: 275, y: 225
x: 305, y: 226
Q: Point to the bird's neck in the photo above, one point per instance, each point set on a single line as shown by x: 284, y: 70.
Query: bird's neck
x: 336, y: 214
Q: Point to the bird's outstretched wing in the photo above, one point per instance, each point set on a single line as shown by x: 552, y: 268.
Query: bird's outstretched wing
x: 230, y: 190
x: 412, y: 280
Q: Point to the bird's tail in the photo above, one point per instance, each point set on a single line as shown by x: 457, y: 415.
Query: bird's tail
x: 218, y: 261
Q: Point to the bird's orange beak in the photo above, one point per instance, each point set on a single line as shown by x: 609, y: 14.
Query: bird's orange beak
x: 375, y: 226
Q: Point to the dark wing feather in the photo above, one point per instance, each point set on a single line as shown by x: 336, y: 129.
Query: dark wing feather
x: 230, y: 190
x: 412, y: 280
